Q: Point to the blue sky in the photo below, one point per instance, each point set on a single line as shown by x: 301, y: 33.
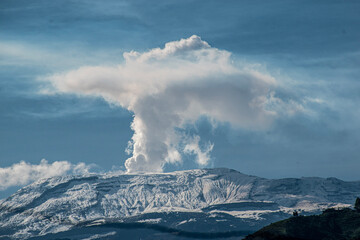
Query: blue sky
x: 311, y: 49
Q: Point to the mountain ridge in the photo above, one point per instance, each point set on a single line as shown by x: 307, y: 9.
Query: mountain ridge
x: 238, y: 201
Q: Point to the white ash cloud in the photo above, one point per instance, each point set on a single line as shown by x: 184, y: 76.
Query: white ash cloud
x: 23, y: 173
x: 169, y: 87
x: 202, y: 156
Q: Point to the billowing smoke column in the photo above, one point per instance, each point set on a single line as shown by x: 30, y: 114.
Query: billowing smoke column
x: 168, y: 87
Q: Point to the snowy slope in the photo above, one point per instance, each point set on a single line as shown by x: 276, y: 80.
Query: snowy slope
x: 226, y: 198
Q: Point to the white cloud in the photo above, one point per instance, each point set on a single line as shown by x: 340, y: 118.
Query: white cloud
x: 202, y: 156
x: 168, y: 87
x: 23, y: 173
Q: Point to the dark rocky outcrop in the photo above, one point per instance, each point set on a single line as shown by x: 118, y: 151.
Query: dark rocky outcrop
x: 357, y: 204
x: 332, y: 224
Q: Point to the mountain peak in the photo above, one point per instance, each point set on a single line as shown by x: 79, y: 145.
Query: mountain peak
x: 59, y: 203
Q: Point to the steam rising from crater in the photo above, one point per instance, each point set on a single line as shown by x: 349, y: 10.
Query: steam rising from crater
x: 169, y: 87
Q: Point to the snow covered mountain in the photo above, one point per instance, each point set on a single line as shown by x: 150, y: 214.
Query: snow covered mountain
x: 209, y: 201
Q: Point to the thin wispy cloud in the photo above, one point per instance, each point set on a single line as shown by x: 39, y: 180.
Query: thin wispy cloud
x: 32, y: 54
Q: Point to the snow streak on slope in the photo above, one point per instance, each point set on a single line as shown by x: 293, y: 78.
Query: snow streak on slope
x: 57, y: 204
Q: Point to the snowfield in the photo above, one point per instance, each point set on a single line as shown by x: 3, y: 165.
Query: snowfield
x: 186, y: 200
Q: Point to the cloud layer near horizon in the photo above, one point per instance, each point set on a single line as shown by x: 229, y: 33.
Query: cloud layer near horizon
x: 169, y: 87
x: 23, y: 173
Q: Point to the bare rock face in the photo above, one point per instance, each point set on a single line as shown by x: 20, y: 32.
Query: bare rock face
x: 185, y: 200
